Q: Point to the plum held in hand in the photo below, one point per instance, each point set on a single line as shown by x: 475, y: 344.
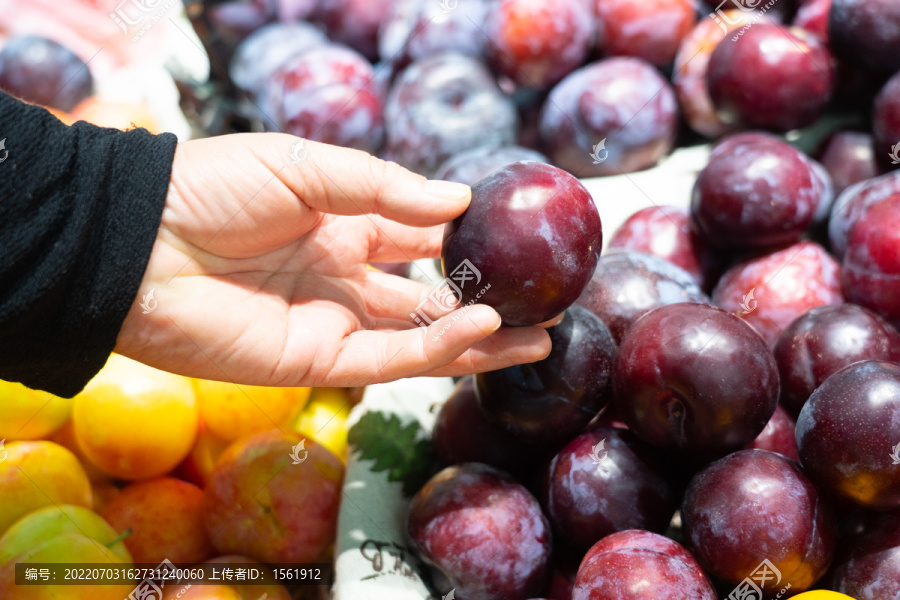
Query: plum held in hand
x: 606, y: 480
x: 754, y: 506
x: 640, y: 565
x: 612, y: 116
x: 532, y: 234
x: 628, y: 284
x: 483, y: 533
x: 635, y: 28
x: 326, y: 94
x: 771, y: 77
x: 871, y: 268
x: 848, y: 434
x: 868, y: 566
x: 886, y: 123
x: 866, y: 33
x: 472, y: 166
x: 756, y: 192
x: 770, y: 291
x: 551, y: 401
x: 825, y: 340
x: 694, y: 378
x: 667, y: 232
x: 41, y: 71
x: 443, y: 105
x: 536, y: 43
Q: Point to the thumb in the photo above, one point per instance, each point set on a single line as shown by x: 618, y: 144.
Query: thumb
x: 342, y: 181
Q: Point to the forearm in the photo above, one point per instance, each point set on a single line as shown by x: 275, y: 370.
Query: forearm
x: 79, y: 211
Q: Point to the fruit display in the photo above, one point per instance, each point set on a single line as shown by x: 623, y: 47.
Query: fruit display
x: 719, y: 413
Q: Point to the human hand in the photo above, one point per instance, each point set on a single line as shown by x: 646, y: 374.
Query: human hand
x: 259, y: 272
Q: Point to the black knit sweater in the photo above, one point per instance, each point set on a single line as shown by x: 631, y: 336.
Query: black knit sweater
x: 79, y: 211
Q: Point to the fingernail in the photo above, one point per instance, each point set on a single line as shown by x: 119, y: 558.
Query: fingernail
x: 446, y: 190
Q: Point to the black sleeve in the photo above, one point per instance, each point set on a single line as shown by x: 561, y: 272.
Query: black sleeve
x: 79, y: 210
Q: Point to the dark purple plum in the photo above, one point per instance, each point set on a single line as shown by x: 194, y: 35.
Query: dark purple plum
x: 849, y: 159
x: 866, y: 34
x: 414, y: 29
x: 326, y: 94
x: 472, y: 166
x: 771, y: 77
x: 634, y: 27
x: 853, y: 203
x: 612, y: 116
x: 756, y: 192
x: 825, y: 340
x: 667, y: 232
x: 43, y: 72
x: 870, y: 272
x: 772, y: 290
x: 848, y: 434
x: 552, y: 400
x: 483, y: 532
x: 462, y: 434
x: 233, y: 20
x: 258, y: 57
x: 694, y: 378
x: 868, y: 565
x: 443, y: 105
x: 290, y: 11
x: 886, y: 123
x: 533, y: 234
x: 778, y: 436
x: 627, y: 284
x: 754, y: 506
x: 640, y: 565
x: 537, y: 43
x: 354, y: 22
x: 691, y: 66
x: 606, y: 480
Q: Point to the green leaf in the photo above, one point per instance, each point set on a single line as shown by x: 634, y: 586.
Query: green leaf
x: 404, y: 451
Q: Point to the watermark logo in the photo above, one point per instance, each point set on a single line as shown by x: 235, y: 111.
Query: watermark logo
x: 451, y: 595
x: 299, y: 453
x: 298, y: 152
x: 448, y: 6
x: 751, y: 588
x: 595, y: 153
x: 894, y: 154
x: 149, y: 303
x: 6, y: 152
x: 748, y: 304
x: 895, y: 453
x: 3, y: 452
x: 447, y: 294
x: 146, y: 13
x: 148, y: 589
x: 596, y: 450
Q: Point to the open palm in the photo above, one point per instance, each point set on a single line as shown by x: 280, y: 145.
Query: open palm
x: 258, y: 273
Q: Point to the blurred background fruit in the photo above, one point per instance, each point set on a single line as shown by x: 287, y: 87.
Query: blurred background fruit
x: 36, y: 474
x: 134, y: 421
x: 273, y: 500
x: 231, y: 411
x: 30, y: 414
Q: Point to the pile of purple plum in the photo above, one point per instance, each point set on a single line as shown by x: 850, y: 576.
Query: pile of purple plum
x: 720, y: 412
